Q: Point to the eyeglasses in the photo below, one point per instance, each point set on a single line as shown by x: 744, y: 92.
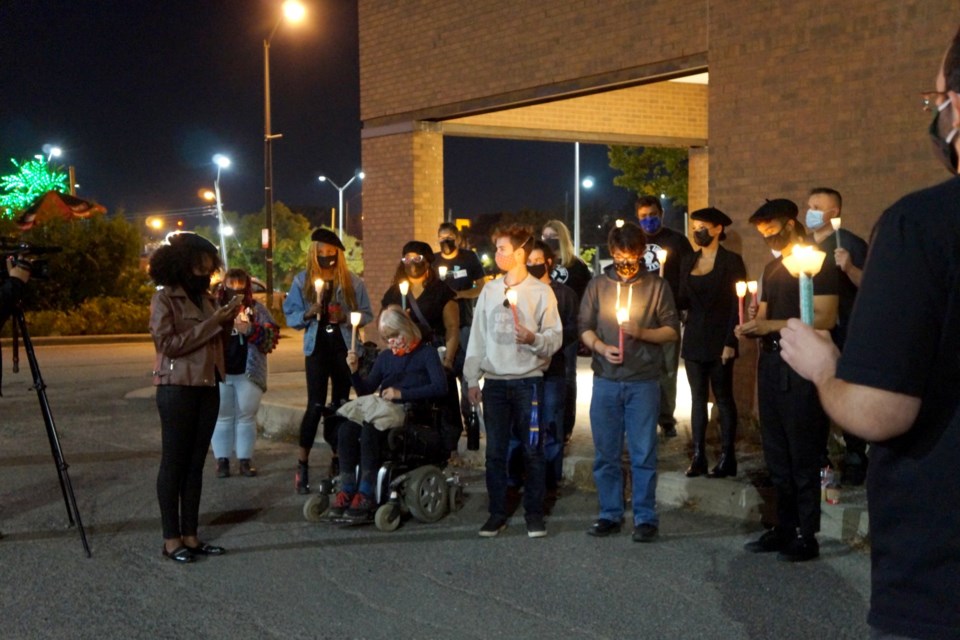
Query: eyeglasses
x: 412, y: 259
x: 929, y: 99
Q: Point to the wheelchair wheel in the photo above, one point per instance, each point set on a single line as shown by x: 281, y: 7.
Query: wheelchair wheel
x: 426, y: 494
x: 387, y: 517
x: 316, y: 507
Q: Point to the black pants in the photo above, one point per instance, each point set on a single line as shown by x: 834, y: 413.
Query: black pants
x: 451, y: 419
x: 360, y: 445
x: 327, y: 363
x: 794, y: 428
x: 187, y: 418
x: 702, y: 376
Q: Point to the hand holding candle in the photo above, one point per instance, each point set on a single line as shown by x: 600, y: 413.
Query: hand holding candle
x: 355, y: 321
x: 662, y: 258
x: 835, y: 223
x: 318, y: 286
x: 741, y: 292
x: 404, y: 289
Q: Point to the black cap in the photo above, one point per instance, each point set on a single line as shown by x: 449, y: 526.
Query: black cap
x: 415, y: 246
x: 773, y: 209
x: 713, y: 216
x: 192, y: 240
x: 324, y: 235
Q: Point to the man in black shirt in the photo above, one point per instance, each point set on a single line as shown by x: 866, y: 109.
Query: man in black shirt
x: 896, y: 385
x: 793, y: 425
x: 846, y: 253
x: 659, y: 237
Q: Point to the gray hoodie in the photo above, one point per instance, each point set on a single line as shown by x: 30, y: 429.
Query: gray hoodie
x: 651, y: 306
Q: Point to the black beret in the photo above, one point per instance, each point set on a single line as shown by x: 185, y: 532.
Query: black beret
x: 192, y: 240
x: 773, y: 209
x: 713, y: 216
x: 324, y: 235
x: 415, y: 246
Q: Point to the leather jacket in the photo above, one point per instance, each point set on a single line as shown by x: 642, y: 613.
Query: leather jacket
x: 188, y: 340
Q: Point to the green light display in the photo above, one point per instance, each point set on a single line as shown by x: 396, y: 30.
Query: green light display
x: 33, y: 178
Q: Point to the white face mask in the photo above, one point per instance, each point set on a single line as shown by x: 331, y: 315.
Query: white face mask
x: 814, y: 219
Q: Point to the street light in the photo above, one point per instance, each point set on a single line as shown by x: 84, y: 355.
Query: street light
x: 359, y: 174
x: 293, y: 11
x: 222, y: 162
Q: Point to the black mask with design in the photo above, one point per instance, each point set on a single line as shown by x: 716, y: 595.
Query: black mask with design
x: 553, y: 243
x: 537, y: 270
x: 327, y: 262
x: 447, y: 246
x: 942, y: 135
x: 415, y: 269
x: 627, y: 269
x: 702, y: 237
x: 780, y: 240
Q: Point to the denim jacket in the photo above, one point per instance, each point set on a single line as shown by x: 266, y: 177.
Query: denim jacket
x: 295, y: 306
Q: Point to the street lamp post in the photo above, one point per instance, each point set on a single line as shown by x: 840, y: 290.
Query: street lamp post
x: 359, y: 174
x: 294, y: 12
x: 222, y: 162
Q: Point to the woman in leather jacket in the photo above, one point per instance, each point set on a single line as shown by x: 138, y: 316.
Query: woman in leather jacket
x: 187, y: 327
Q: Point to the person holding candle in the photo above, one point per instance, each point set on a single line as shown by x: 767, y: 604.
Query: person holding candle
x: 626, y: 388
x: 793, y: 425
x: 431, y: 304
x: 254, y: 335
x: 326, y: 334
x: 895, y: 384
x: 847, y: 253
x: 708, y: 293
x: 511, y: 357
x: 659, y: 237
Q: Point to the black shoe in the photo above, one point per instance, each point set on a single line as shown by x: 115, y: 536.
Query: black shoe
x: 698, y: 466
x: 800, y: 549
x: 223, y: 467
x: 204, y: 549
x: 181, y: 554
x: 493, y: 526
x: 536, y: 527
x: 669, y: 430
x: 854, y: 470
x: 246, y: 469
x: 334, y: 467
x: 645, y: 533
x: 726, y: 467
x: 301, y: 481
x: 770, y: 541
x: 603, y: 528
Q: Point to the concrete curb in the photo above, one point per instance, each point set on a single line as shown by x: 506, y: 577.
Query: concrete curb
x: 42, y: 341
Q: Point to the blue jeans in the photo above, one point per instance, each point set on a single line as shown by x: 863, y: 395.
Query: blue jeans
x: 630, y: 408
x: 506, y: 413
x: 551, y: 423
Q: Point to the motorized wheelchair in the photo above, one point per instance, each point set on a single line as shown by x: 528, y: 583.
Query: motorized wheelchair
x: 411, y: 479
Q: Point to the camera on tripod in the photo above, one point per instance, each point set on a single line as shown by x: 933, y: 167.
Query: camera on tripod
x: 26, y: 256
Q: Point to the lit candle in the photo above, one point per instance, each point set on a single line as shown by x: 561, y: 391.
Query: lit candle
x: 512, y: 299
x: 355, y: 321
x: 318, y: 285
x: 443, y: 272
x: 662, y: 257
x: 404, y: 288
x: 835, y: 223
x: 623, y: 315
x: 741, y: 292
x: 804, y: 262
x: 752, y: 288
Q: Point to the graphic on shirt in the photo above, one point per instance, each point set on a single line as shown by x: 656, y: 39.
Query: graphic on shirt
x: 650, y: 257
x: 560, y: 274
x: 501, y: 321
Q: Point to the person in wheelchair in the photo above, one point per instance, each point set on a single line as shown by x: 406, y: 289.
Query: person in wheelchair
x: 408, y: 372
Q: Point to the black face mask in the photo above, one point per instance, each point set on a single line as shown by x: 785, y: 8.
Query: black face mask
x: 627, y: 269
x: 327, y: 262
x: 197, y: 284
x: 702, y: 237
x: 415, y: 269
x: 942, y: 135
x: 779, y: 241
x: 553, y: 243
x: 537, y: 270
x: 447, y: 246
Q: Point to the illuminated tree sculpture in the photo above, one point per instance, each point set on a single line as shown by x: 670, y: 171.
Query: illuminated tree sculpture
x: 32, y: 179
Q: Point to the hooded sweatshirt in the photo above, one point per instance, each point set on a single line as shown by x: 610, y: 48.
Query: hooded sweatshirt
x: 650, y: 301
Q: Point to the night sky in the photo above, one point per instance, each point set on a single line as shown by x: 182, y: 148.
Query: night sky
x: 140, y: 95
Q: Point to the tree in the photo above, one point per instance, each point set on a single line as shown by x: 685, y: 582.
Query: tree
x: 32, y: 179
x: 651, y: 171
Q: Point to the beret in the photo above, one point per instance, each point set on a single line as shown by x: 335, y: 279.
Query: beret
x: 773, y: 209
x: 326, y: 236
x: 713, y: 216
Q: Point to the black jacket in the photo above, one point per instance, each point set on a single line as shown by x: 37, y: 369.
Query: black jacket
x: 711, y: 314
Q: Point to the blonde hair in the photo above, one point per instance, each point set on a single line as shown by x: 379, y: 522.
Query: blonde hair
x: 395, y: 321
x: 567, y: 254
x: 341, y: 278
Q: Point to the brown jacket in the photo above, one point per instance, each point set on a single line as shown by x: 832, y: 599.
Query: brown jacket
x: 189, y: 341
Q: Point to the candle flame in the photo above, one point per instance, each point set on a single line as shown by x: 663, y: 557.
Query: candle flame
x: 741, y: 289
x: 805, y: 259
x: 443, y: 272
x: 835, y: 223
x: 404, y: 287
x: 619, y: 223
x: 623, y: 315
x: 512, y: 298
x: 318, y: 284
x: 662, y: 255
x: 355, y: 318
x: 752, y: 286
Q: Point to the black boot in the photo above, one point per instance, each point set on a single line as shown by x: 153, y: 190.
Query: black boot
x: 726, y: 466
x: 301, y: 481
x: 223, y: 467
x: 698, y: 465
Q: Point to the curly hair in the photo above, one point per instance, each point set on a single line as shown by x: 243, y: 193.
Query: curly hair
x: 172, y: 264
x: 520, y: 235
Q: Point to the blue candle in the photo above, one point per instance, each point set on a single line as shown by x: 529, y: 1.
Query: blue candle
x: 806, y: 299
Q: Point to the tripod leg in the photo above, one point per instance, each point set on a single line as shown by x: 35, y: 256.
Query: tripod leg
x: 66, y: 486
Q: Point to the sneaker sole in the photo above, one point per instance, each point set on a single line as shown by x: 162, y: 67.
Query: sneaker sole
x: 536, y: 534
x: 491, y: 534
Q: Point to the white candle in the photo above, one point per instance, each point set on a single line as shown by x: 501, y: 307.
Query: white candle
x: 404, y: 289
x: 662, y: 257
x: 318, y: 286
x: 355, y: 321
x: 443, y: 272
x: 835, y: 223
x: 752, y: 288
x: 741, y: 292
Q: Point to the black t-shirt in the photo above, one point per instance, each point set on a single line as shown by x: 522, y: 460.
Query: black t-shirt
x: 576, y: 276
x: 781, y: 291
x: 431, y: 302
x: 904, y: 337
x: 677, y: 247
x: 568, y: 306
x: 463, y: 270
x: 857, y: 248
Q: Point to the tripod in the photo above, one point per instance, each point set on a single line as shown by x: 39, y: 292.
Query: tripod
x: 66, y: 487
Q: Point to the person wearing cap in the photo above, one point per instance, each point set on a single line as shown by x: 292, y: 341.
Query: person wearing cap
x: 793, y: 425
x: 326, y: 336
x: 188, y: 329
x: 650, y: 218
x: 847, y: 253
x: 432, y: 305
x: 708, y: 294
